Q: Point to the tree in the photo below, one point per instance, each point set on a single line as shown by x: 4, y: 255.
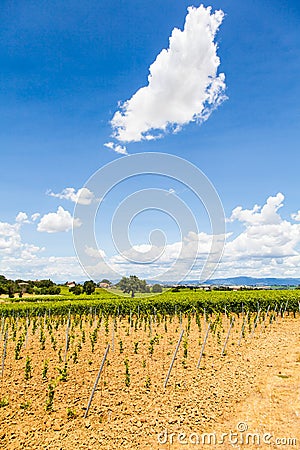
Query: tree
x: 44, y: 283
x: 131, y: 285
x: 3, y: 288
x: 52, y: 290
x: 156, y: 288
x: 105, y: 281
x: 89, y: 287
x: 11, y: 291
x: 76, y: 289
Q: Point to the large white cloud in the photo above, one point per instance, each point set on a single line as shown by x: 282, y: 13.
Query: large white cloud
x: 268, y: 214
x: 83, y: 196
x: 183, y: 85
x: 57, y: 222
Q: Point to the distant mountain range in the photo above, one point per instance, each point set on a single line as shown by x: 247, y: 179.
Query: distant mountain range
x: 233, y: 281
x: 249, y: 281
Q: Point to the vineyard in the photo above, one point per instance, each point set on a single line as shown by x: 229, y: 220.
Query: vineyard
x: 111, y: 372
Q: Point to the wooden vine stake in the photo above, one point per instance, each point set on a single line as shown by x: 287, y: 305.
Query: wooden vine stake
x: 243, y: 329
x: 285, y: 308
x: 174, y: 357
x: 255, y: 323
x: 67, y: 337
x: 113, y: 335
x: 264, y: 321
x: 4, y: 352
x: 96, y: 382
x: 27, y: 325
x: 3, y: 324
x: 154, y: 314
x: 273, y: 315
x: 203, y: 346
x: 227, y: 337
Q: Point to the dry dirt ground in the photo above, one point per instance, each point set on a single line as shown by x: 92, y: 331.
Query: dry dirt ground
x: 249, y: 398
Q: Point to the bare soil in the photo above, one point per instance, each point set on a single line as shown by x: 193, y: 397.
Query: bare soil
x: 253, y: 389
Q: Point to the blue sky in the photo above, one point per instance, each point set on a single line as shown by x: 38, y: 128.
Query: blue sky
x: 64, y: 68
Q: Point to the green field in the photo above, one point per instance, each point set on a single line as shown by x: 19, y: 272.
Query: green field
x: 168, y: 302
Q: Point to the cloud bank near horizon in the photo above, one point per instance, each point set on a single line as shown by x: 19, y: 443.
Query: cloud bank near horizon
x: 183, y: 84
x: 267, y: 245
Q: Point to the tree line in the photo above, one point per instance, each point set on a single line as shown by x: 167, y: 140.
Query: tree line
x: 19, y: 286
x: 129, y: 285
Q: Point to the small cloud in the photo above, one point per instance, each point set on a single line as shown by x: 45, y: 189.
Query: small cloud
x: 22, y: 218
x: 58, y: 222
x: 35, y: 216
x: 296, y: 216
x: 116, y: 148
x: 95, y: 253
x: 171, y: 191
x: 83, y: 196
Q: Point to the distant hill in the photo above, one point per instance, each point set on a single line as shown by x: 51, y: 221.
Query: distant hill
x: 232, y: 281
x: 249, y: 281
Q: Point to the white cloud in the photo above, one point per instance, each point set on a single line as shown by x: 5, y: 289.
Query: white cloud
x: 57, y: 222
x: 260, y: 215
x: 35, y: 216
x: 95, y: 253
x: 121, y: 149
x: 10, y: 238
x: 183, y: 84
x: 60, y: 268
x: 83, y: 196
x: 11, y: 244
x: 169, y: 262
x: 268, y: 245
x: 22, y: 218
x: 266, y: 233
x: 29, y: 251
x: 19, y: 259
x: 296, y: 216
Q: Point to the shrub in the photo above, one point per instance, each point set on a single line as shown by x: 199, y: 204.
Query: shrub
x: 156, y: 288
